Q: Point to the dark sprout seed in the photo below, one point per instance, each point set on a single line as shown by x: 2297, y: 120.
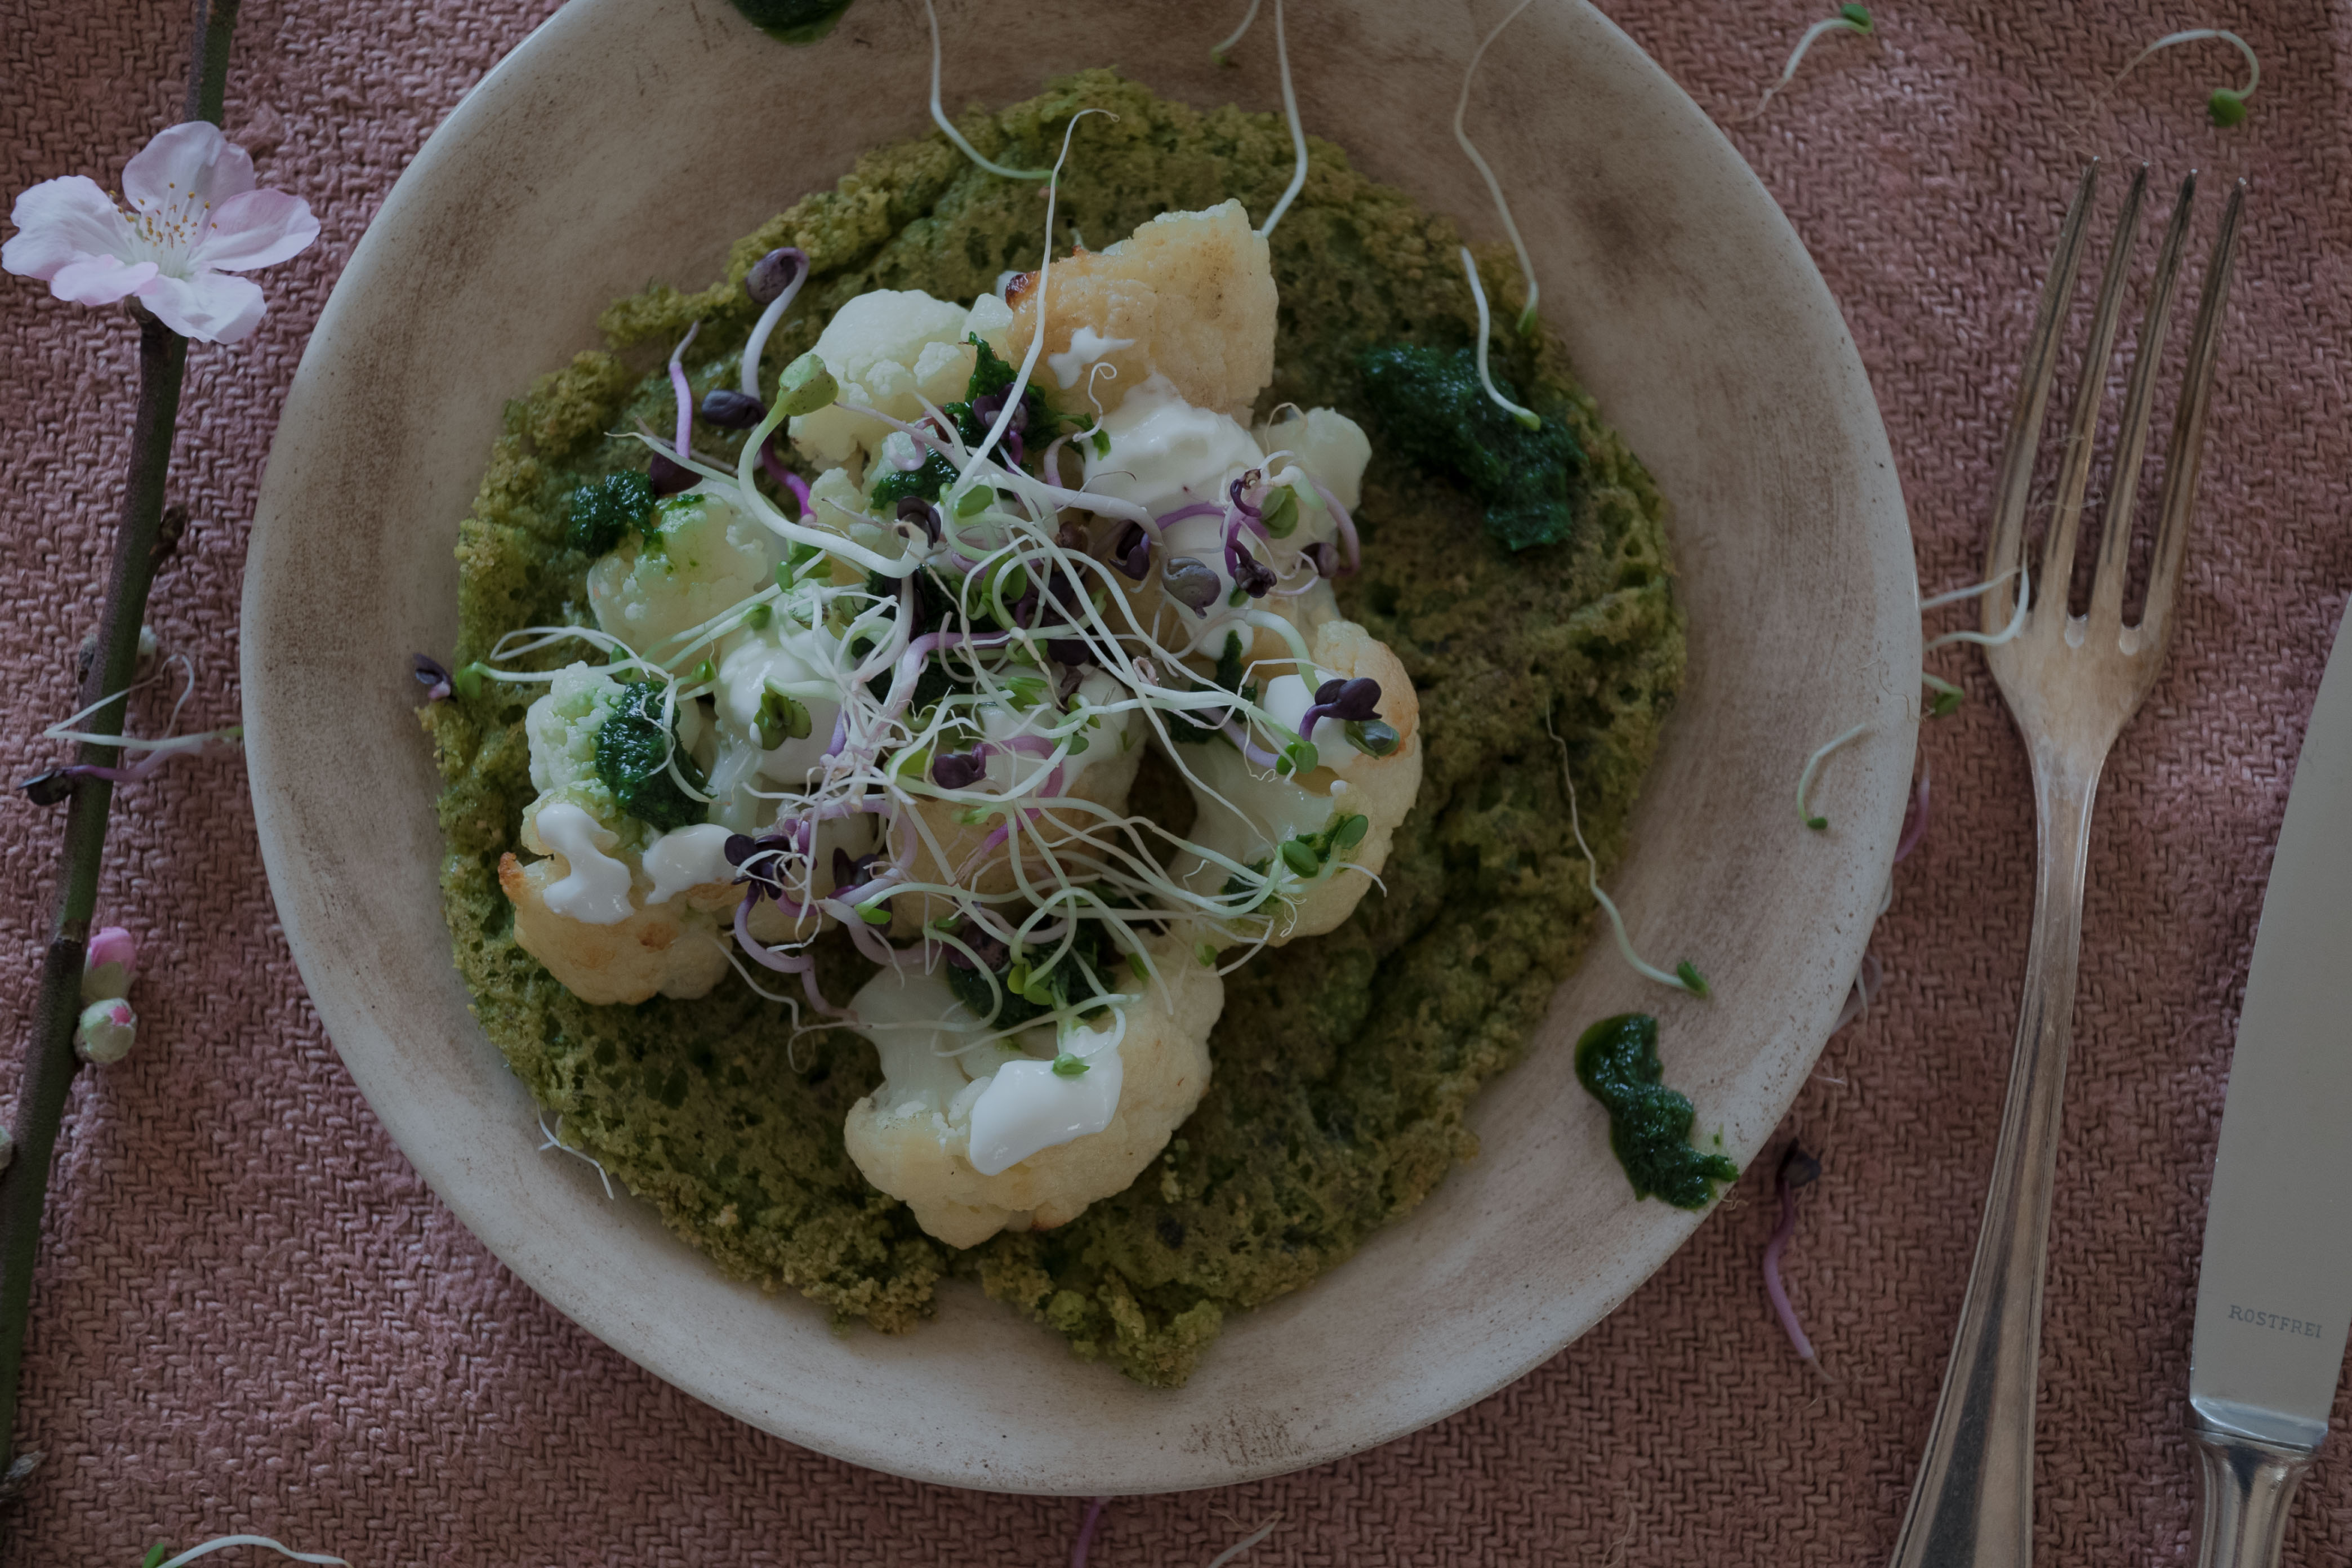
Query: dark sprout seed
x: 434, y: 676
x: 1324, y: 557
x: 1131, y: 552
x: 915, y: 509
x: 957, y: 770
x: 48, y: 788
x: 772, y: 273
x: 1073, y: 538
x: 739, y: 847
x: 1191, y: 584
x: 1356, y: 702
x: 1253, y: 576
x: 732, y: 410
x: 669, y: 478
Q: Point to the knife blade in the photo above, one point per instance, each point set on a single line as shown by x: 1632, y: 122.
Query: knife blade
x: 2274, y: 1288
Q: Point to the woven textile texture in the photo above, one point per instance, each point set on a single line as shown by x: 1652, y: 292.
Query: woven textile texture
x: 252, y: 1315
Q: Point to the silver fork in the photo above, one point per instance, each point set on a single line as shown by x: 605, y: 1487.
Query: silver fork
x: 2072, y: 682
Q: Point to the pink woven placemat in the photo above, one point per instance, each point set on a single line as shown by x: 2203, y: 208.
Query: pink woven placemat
x: 252, y: 1315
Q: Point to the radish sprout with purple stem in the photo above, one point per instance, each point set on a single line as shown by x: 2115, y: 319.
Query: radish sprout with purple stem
x: 48, y: 787
x: 1805, y: 814
x: 1493, y: 185
x: 1851, y: 18
x: 1686, y: 975
x: 1043, y: 657
x: 1797, y: 1169
x: 1085, y: 1540
x: 1526, y: 416
x: 2227, y: 106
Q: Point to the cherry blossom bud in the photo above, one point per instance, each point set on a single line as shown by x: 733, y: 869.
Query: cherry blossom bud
x: 108, y: 965
x: 105, y: 1032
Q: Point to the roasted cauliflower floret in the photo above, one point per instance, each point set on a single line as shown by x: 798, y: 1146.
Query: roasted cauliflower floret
x: 703, y: 556
x: 1329, y: 446
x: 935, y: 1129
x: 1189, y: 295
x: 891, y: 351
x: 1249, y: 815
x: 562, y: 727
x: 673, y: 949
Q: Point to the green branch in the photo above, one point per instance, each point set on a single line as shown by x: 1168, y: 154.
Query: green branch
x: 49, y: 1059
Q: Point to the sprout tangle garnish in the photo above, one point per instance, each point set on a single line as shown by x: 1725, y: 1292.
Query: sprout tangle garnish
x: 1686, y: 975
x: 1493, y: 185
x: 1249, y: 18
x: 1526, y: 416
x: 1298, y: 130
x: 939, y: 116
x: 554, y: 1140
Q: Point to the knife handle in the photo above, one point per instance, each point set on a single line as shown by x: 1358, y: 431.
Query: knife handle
x: 2248, y: 1486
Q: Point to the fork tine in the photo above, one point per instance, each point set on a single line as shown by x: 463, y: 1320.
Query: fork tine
x: 2016, y: 482
x: 2090, y: 391
x: 2131, y: 444
x: 2186, y: 455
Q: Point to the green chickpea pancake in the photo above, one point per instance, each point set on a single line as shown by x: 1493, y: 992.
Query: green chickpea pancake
x: 1024, y: 749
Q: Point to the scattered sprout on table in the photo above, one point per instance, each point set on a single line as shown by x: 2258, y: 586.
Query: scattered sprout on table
x: 1805, y: 814
x: 1850, y: 18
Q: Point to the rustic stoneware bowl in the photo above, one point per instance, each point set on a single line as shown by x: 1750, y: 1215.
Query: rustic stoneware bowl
x: 609, y: 149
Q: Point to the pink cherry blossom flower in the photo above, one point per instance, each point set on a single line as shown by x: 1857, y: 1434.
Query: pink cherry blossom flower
x: 195, y: 216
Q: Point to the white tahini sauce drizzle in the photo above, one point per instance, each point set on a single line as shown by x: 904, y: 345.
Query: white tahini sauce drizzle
x: 1013, y: 1111
x: 596, y: 892
x: 687, y: 858
x: 1027, y: 1107
x: 1165, y: 452
x: 1086, y: 346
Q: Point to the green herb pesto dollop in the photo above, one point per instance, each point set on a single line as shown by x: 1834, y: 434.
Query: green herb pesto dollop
x: 1433, y: 410
x: 633, y: 749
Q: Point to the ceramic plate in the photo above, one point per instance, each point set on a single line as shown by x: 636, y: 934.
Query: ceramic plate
x: 634, y: 139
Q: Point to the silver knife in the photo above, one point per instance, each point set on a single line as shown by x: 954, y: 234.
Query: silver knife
x: 2274, y: 1292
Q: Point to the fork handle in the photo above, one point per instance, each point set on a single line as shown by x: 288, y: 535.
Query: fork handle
x: 1972, y: 1502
